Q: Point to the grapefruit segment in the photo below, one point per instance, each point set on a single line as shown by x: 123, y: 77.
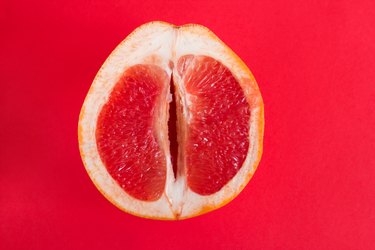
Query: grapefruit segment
x: 218, y: 132
x: 172, y: 126
x: 125, y: 136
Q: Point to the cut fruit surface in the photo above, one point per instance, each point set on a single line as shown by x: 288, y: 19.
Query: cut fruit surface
x: 218, y: 133
x: 125, y: 135
x: 172, y: 126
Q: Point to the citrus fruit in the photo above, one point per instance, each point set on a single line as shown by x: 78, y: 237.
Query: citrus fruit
x: 172, y: 126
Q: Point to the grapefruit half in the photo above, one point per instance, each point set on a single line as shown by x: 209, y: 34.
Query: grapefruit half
x: 172, y: 126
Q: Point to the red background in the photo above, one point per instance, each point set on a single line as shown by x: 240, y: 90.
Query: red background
x: 315, y: 64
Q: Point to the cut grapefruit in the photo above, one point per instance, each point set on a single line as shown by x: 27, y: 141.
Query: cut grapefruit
x: 172, y: 126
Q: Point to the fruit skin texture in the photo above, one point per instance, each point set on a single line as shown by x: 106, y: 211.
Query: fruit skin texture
x: 246, y: 80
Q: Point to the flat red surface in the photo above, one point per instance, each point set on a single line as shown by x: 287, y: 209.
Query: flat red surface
x: 315, y: 64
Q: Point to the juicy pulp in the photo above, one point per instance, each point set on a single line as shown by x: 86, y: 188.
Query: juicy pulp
x: 217, y: 134
x: 125, y: 134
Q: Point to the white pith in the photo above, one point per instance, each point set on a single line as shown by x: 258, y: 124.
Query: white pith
x: 160, y: 44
